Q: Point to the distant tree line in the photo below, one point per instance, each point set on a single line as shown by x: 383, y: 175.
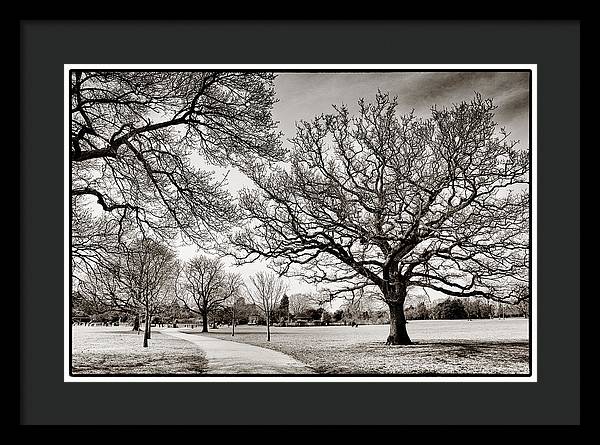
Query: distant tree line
x: 465, y: 309
x: 167, y: 314
x: 246, y: 312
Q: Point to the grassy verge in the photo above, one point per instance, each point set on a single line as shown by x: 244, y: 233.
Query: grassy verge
x: 114, y: 350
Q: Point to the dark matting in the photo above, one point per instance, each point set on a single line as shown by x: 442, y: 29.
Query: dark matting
x: 46, y: 46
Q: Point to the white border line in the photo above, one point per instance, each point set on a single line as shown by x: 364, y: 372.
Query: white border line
x: 325, y: 67
x: 533, y: 285
x: 67, y: 234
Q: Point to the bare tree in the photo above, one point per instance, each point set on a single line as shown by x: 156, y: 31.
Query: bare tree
x: 396, y: 202
x: 139, y: 280
x: 148, y: 271
x: 235, y: 302
x: 98, y: 281
x: 265, y: 292
x: 204, y: 286
x: 299, y: 303
x: 99, y: 290
x: 133, y: 139
x: 233, y: 287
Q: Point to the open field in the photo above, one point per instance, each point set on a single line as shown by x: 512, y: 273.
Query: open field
x: 440, y: 347
x: 118, y: 350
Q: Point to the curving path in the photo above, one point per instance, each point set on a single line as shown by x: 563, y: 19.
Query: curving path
x: 229, y: 357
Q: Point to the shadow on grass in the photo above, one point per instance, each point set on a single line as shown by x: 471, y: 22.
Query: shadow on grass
x: 473, y: 345
x: 466, y: 348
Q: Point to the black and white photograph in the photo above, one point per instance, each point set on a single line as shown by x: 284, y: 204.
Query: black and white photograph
x: 300, y: 222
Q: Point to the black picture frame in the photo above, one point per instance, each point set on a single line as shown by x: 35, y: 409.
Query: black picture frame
x: 47, y: 45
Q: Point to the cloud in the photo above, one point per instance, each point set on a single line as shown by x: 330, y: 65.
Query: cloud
x: 305, y: 95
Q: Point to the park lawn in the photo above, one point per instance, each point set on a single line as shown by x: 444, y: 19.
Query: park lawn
x: 439, y: 348
x: 118, y: 350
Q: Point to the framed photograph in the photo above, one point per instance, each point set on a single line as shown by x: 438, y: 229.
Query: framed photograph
x: 412, y: 206
x: 224, y: 228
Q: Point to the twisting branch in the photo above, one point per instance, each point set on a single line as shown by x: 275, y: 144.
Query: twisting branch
x: 395, y: 203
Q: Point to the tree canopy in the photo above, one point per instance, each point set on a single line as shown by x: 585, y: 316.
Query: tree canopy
x: 135, y: 140
x: 396, y: 202
x: 205, y: 286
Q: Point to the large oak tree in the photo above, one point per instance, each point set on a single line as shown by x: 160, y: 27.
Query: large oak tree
x: 396, y: 202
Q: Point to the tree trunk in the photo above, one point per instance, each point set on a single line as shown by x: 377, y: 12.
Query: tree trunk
x: 205, y: 322
x: 233, y: 320
x: 398, y: 334
x: 136, y: 323
x: 149, y: 328
x: 268, y: 328
x: 146, y: 333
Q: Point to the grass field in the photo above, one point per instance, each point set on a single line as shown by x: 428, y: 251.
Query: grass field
x: 118, y: 350
x: 440, y: 347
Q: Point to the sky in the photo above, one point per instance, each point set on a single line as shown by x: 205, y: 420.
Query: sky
x: 302, y: 96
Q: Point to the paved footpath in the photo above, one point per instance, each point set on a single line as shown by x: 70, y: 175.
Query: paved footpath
x: 229, y: 357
